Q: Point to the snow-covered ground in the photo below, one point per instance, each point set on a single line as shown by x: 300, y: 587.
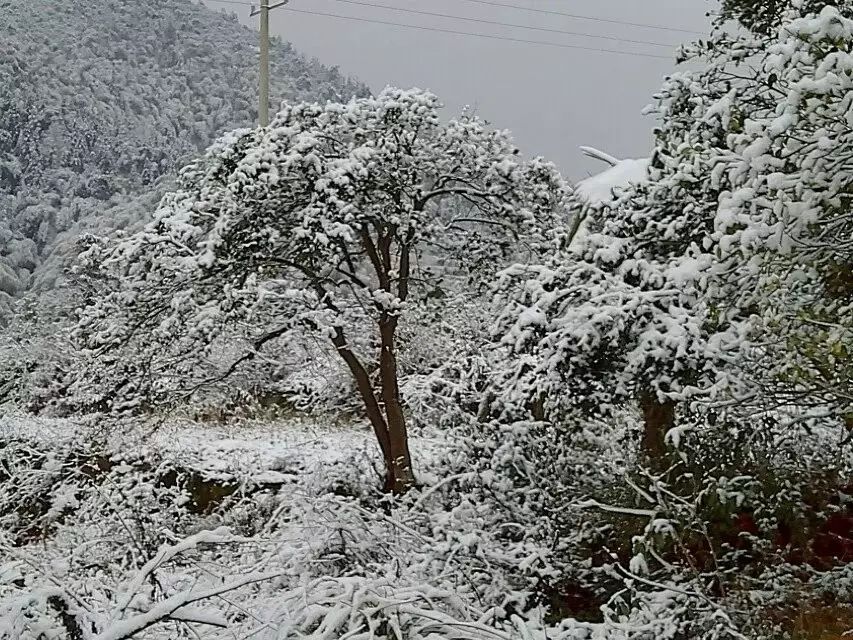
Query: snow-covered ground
x: 123, y: 548
x: 264, y: 451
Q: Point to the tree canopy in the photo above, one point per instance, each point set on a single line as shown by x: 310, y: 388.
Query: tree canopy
x: 336, y: 220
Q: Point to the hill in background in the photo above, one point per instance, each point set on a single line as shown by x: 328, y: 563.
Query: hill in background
x: 100, y: 103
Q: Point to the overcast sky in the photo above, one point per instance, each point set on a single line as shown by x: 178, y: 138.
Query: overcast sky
x: 553, y: 99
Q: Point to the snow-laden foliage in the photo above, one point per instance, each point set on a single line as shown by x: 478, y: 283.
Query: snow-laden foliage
x: 685, y: 553
x: 716, y: 297
x: 99, y: 105
x: 335, y: 221
x: 656, y: 444
x: 727, y: 274
x: 761, y: 17
x: 99, y: 101
x: 592, y: 194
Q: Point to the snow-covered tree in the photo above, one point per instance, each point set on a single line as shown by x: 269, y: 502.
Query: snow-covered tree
x: 783, y: 228
x: 763, y: 17
x: 100, y: 104
x: 336, y: 220
x: 716, y: 292
x: 726, y: 274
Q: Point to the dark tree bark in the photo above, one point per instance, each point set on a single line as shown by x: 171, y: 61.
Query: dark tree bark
x: 385, y: 411
x: 368, y: 397
x: 400, y: 475
x: 658, y: 418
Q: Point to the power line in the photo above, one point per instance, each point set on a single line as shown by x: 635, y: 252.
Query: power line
x: 493, y: 3
x: 477, y: 35
x: 503, y: 24
x: 576, y: 16
x: 459, y: 33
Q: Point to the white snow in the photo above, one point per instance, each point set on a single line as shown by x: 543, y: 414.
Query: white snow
x: 599, y: 189
x: 262, y: 452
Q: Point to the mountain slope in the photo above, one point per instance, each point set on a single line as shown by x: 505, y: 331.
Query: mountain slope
x: 100, y: 102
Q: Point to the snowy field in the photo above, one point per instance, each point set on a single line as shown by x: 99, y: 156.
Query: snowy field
x: 263, y: 452
x: 248, y: 451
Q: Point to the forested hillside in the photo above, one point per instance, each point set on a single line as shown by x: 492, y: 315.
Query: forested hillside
x: 101, y: 101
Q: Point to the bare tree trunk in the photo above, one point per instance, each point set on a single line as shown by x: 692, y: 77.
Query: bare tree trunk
x: 400, y: 474
x: 368, y: 397
x: 658, y: 418
x: 390, y: 428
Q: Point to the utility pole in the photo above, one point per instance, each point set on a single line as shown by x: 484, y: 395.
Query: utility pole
x: 264, y: 106
x: 264, y: 72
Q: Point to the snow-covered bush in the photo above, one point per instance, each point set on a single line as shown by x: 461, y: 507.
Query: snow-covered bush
x: 122, y: 547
